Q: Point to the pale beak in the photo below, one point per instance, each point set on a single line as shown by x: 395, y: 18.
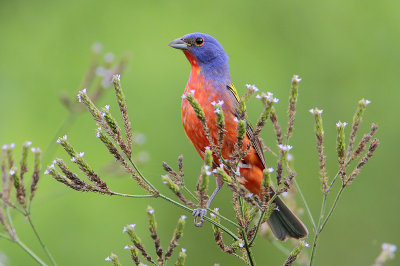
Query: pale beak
x: 178, y: 44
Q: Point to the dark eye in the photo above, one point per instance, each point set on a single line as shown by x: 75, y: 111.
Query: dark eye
x: 199, y: 41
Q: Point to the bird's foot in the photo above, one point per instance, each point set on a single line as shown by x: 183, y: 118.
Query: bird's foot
x: 199, y: 214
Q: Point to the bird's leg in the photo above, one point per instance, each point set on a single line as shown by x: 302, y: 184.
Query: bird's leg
x: 200, y: 213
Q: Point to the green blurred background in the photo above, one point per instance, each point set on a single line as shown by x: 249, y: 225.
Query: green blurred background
x: 344, y: 51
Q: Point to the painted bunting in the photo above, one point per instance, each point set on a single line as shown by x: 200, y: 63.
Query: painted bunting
x: 210, y: 82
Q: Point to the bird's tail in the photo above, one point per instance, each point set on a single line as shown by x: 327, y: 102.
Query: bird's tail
x: 284, y: 223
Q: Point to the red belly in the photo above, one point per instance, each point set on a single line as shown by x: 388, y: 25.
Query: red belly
x: 252, y: 177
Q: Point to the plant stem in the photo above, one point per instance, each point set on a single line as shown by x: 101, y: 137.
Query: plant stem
x: 305, y: 204
x: 205, y: 217
x: 318, y: 231
x: 142, y: 176
x: 333, y: 207
x: 258, y: 226
x: 41, y: 242
x: 6, y: 237
x: 248, y: 250
x: 132, y: 196
x: 30, y: 252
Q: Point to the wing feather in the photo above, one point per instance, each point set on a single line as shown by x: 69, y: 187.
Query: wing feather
x: 257, y: 145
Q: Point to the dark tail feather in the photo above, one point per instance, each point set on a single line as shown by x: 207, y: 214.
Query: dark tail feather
x: 284, y: 223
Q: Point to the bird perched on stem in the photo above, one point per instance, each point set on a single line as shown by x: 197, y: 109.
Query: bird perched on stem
x: 209, y: 82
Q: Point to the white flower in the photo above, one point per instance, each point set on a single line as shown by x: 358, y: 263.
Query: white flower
x: 367, y: 102
x: 306, y: 245
x: 207, y: 148
x: 51, y: 166
x: 215, y: 171
x: 183, y: 96
x: 241, y: 244
x: 213, y: 103
x: 151, y: 211
x: 12, y: 172
x: 208, y: 173
x: 285, y: 147
x: 28, y: 143
x: 251, y: 87
x: 216, y: 209
x: 217, y: 111
x: 118, y: 76
x: 107, y: 107
x: 212, y: 215
x: 98, y: 134
x: 12, y: 145
x: 249, y: 195
x: 183, y: 250
x: 316, y: 111
x: 275, y: 100
x: 183, y: 217
x: 33, y: 149
x: 108, y: 258
x: 4, y: 147
x: 258, y: 96
x: 296, y: 78
x: 339, y: 124
x: 81, y: 154
x: 221, y: 165
x: 220, y: 103
x: 73, y: 159
x: 126, y: 247
x: 103, y: 114
x: 284, y: 194
x: 130, y: 226
x: 277, y: 208
x: 46, y: 172
x: 389, y: 249
x: 84, y: 90
x: 55, y: 161
x: 206, y: 167
x: 165, y: 182
x: 192, y: 91
x: 65, y: 137
x: 289, y: 157
x: 79, y: 97
x: 236, y: 119
x: 270, y: 170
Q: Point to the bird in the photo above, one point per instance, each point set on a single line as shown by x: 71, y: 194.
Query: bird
x: 209, y: 82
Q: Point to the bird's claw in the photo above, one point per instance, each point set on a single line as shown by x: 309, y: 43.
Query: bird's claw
x: 199, y: 214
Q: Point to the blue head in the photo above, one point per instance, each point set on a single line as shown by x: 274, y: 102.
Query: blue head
x: 204, y: 50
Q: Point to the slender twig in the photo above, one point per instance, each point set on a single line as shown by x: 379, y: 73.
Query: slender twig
x: 132, y: 196
x: 248, y: 250
x: 142, y: 176
x: 6, y: 237
x: 303, y: 199
x: 318, y: 231
x: 258, y: 227
x: 332, y: 208
x: 211, y: 210
x: 30, y: 252
x: 41, y: 242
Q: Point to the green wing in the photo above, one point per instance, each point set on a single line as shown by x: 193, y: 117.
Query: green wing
x: 257, y: 145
